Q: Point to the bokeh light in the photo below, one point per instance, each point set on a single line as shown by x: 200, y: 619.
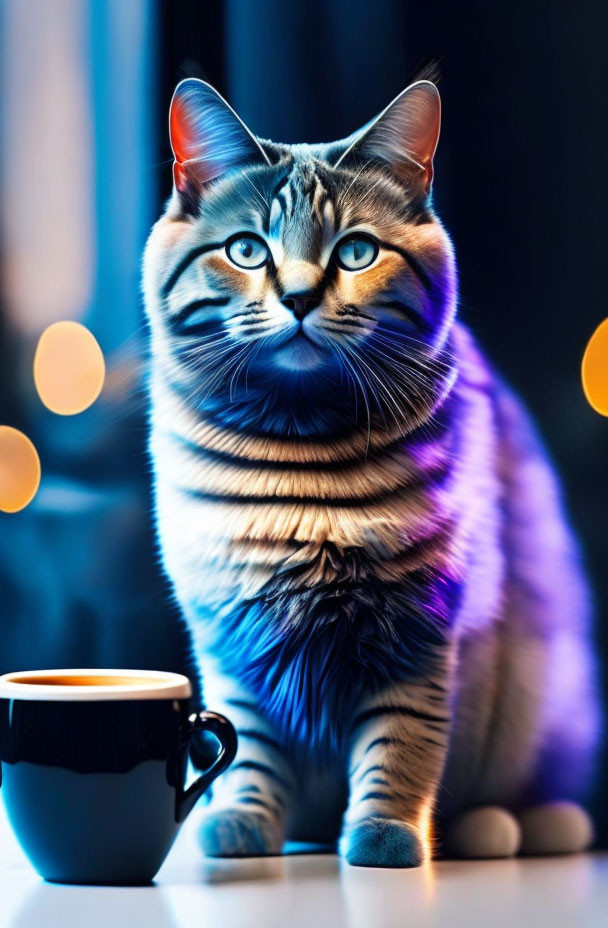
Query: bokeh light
x: 69, y: 368
x: 19, y: 470
x: 595, y: 369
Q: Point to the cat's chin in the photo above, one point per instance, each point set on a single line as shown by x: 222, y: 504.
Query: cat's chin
x: 299, y: 354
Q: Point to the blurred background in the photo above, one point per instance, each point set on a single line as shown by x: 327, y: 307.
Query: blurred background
x: 85, y: 167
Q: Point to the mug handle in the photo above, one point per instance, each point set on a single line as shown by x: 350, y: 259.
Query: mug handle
x: 223, y: 730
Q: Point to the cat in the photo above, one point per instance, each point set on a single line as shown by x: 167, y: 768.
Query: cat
x: 358, y: 519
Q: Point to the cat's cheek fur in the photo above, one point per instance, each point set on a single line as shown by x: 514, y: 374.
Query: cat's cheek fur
x: 162, y: 254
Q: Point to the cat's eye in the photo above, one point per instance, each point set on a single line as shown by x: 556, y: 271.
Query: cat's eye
x: 356, y: 252
x: 247, y: 251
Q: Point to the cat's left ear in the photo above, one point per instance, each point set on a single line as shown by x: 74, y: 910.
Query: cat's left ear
x: 208, y: 139
x: 404, y: 136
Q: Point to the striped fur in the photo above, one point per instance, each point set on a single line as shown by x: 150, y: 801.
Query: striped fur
x: 359, y: 523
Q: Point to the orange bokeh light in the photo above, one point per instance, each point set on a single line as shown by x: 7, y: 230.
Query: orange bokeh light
x: 69, y: 369
x: 594, y: 369
x: 19, y: 470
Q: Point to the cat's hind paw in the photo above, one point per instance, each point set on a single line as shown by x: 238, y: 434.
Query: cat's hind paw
x: 239, y: 833
x: 483, y: 832
x: 555, y: 828
x: 382, y: 842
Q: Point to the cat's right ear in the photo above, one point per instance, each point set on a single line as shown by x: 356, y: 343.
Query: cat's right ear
x: 208, y: 139
x: 404, y: 137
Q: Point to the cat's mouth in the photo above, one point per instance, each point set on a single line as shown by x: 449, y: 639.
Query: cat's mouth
x: 299, y: 352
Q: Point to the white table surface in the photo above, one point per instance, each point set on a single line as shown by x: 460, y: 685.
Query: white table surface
x: 316, y: 891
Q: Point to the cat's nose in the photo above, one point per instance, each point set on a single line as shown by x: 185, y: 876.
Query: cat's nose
x: 300, y: 304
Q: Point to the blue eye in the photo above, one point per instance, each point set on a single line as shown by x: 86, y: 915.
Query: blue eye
x: 247, y: 251
x: 355, y: 252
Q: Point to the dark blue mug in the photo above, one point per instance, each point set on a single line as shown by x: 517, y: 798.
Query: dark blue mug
x: 93, y: 768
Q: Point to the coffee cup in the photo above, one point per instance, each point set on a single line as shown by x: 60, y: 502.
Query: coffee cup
x: 93, y: 768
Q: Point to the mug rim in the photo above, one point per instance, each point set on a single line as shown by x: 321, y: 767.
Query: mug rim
x: 166, y: 685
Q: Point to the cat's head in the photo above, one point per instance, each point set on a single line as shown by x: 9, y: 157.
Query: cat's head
x: 302, y: 288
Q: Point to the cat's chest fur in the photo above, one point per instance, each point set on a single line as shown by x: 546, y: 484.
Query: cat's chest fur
x: 322, y: 633
x: 238, y: 527
x: 320, y: 588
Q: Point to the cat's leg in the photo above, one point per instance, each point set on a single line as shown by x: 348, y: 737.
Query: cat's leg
x: 247, y: 813
x: 397, y: 752
x: 553, y: 731
x: 552, y: 821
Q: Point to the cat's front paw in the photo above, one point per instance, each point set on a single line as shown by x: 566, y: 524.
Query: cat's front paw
x: 382, y: 842
x: 239, y: 833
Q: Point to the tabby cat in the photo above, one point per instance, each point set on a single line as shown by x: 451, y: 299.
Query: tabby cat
x: 357, y: 516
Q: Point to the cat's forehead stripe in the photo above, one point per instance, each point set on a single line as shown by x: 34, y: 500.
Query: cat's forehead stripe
x: 302, y: 214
